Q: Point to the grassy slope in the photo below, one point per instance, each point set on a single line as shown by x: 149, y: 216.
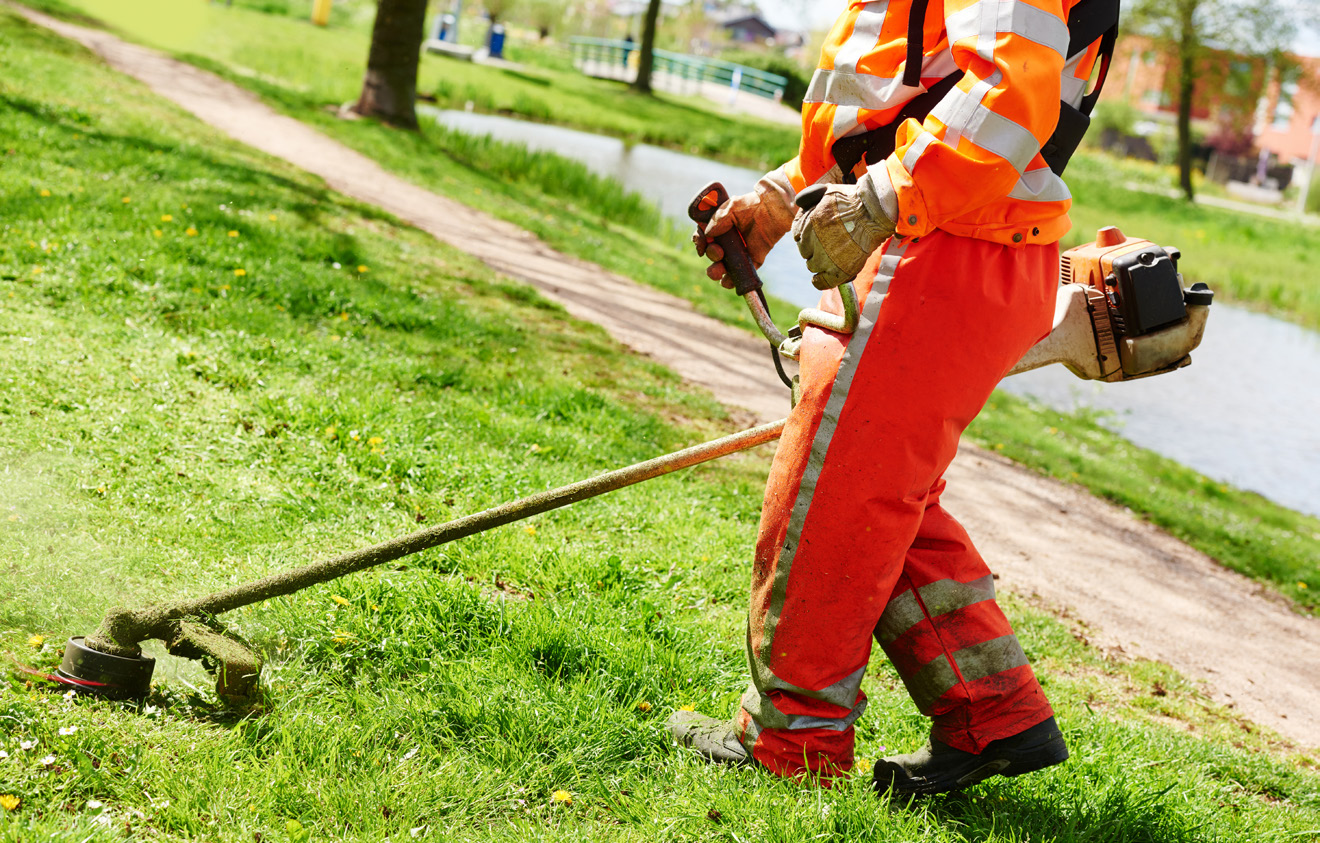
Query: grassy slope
x: 583, y: 215
x: 1255, y: 261
x: 168, y: 425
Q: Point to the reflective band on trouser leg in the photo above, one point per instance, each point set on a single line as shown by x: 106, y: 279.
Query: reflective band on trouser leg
x: 877, y: 424
x: 952, y: 645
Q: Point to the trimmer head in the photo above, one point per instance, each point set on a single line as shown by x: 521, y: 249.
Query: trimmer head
x: 103, y: 674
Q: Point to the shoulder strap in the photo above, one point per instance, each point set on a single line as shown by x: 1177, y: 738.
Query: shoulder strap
x: 915, y: 36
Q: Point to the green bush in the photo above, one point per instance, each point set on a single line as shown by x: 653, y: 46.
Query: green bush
x: 796, y: 86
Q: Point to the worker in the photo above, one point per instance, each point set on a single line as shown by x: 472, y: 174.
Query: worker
x: 949, y: 234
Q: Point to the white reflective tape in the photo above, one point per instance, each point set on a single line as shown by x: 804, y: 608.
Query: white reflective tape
x: 964, y: 116
x: 989, y: 19
x: 918, y: 146
x: 1040, y: 186
x: 1072, y: 89
x: 864, y: 37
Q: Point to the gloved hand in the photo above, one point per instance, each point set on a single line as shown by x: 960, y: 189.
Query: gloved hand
x: 762, y: 217
x: 840, y: 232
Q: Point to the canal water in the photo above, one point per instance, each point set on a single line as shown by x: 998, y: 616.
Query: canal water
x: 1246, y: 412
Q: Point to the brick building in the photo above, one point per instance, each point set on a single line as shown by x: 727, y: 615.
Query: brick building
x: 1285, y: 120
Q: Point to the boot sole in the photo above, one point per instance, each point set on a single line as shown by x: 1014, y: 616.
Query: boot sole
x: 1017, y: 762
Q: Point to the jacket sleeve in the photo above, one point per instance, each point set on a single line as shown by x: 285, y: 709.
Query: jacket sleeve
x: 976, y: 145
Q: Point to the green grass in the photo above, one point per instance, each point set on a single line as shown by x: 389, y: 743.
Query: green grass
x: 168, y: 426
x: 1251, y: 260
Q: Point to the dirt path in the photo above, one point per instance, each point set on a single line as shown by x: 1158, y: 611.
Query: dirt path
x: 1135, y: 587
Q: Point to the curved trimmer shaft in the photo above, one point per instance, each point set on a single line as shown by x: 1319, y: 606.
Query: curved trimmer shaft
x: 122, y: 629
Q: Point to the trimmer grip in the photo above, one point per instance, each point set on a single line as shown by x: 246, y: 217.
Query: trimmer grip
x: 737, y: 260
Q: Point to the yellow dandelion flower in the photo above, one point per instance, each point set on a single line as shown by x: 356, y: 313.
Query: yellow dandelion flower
x: 224, y: 286
x: 343, y: 316
x: 167, y: 217
x: 196, y: 289
x: 9, y: 801
x: 331, y: 430
x: 126, y: 199
x: 36, y: 640
x: 562, y: 797
x: 1302, y: 586
x: 240, y: 272
x: 45, y: 192
x: 233, y: 234
x: 375, y: 608
x: 15, y: 517
x: 362, y: 269
x: 340, y: 600
x: 157, y: 232
x: 32, y: 244
x: 643, y: 706
x: 36, y: 270
x: 341, y: 637
x: 531, y: 531
x: 191, y: 232
x: 687, y: 708
x: 375, y: 440
x: 272, y: 218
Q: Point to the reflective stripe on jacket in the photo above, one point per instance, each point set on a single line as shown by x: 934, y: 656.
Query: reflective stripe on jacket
x: 973, y: 166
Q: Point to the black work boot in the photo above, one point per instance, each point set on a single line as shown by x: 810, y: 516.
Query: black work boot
x: 717, y: 740
x: 939, y: 768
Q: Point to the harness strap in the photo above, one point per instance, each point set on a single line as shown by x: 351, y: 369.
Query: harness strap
x: 915, y: 36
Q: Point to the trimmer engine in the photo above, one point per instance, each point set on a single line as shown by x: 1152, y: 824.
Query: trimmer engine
x: 1122, y: 312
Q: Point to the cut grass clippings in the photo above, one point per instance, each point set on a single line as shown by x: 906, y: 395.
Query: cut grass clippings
x: 170, y: 425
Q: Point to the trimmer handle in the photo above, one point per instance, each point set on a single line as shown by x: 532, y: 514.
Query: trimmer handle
x: 737, y: 260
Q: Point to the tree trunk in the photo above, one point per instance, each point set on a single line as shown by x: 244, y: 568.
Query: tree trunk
x: 390, y: 85
x: 1188, y: 52
x: 645, y: 56
x: 1186, y: 92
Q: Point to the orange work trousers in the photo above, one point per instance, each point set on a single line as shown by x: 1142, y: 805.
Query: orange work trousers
x: 853, y: 542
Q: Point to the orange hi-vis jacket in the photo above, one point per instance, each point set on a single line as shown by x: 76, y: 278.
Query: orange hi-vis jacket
x: 972, y: 167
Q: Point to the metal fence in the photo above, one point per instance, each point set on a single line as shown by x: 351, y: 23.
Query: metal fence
x: 672, y: 71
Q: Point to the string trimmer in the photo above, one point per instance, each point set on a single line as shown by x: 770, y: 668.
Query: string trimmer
x: 1122, y: 313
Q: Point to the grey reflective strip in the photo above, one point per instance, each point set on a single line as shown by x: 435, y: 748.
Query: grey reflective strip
x: 766, y: 716
x: 1040, y: 186
x: 902, y: 613
x: 939, y: 598
x: 1072, y: 89
x: 993, y: 132
x: 937, y: 677
x: 861, y: 90
x: 958, y: 109
x: 758, y: 703
x: 944, y: 596
x: 846, y: 120
x: 989, y: 657
x: 824, y: 433
x: 864, y: 37
x: 918, y: 146
x: 930, y: 683
x: 989, y: 19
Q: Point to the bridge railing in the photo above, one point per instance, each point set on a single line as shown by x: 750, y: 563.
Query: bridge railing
x: 618, y: 60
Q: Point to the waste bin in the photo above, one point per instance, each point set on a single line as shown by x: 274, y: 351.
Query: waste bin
x: 496, y: 41
x: 445, y: 29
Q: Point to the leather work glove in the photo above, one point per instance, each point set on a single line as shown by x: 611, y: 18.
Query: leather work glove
x: 839, y: 232
x: 762, y: 216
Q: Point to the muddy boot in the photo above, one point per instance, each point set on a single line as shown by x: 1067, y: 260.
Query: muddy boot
x: 716, y: 740
x: 939, y: 768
